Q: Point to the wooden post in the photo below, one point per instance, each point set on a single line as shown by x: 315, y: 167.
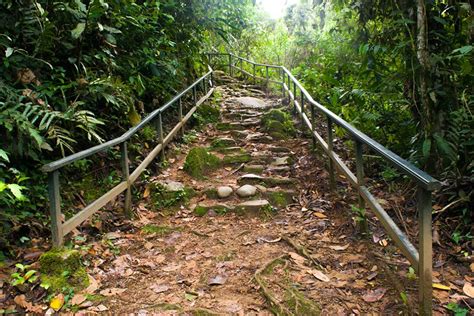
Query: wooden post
x: 241, y: 68
x: 254, y: 75
x: 126, y: 177
x: 283, y: 82
x: 360, y: 170
x: 426, y: 251
x: 289, y: 90
x: 302, y: 111
x: 194, y: 96
x: 313, y: 125
x: 160, y: 135
x: 294, y: 98
x: 180, y: 114
x: 230, y: 65
x: 332, y: 177
x: 266, y: 74
x: 55, y: 209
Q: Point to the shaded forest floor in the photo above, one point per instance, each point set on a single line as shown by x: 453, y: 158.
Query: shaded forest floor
x: 290, y: 247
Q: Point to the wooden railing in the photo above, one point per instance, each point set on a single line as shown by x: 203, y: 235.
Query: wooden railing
x: 421, y: 259
x: 59, y: 229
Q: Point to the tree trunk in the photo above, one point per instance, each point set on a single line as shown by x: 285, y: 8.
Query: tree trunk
x: 423, y: 58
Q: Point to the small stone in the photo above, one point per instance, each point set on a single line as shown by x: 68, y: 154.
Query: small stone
x: 211, y: 213
x: 172, y: 186
x: 281, y: 161
x: 246, y: 190
x: 261, y: 188
x: 224, y: 192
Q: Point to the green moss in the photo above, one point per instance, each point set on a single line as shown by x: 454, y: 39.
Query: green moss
x: 231, y: 150
x: 256, y: 169
x: 222, y: 142
x: 278, y: 124
x: 159, y: 230
x: 163, y: 198
x: 207, y: 113
x: 199, y: 162
x: 279, y: 199
x: 242, y: 158
x: 211, y: 193
x: 224, y: 126
x: 201, y: 210
x: 62, y: 268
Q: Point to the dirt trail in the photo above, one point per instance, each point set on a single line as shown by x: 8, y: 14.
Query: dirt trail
x: 181, y: 263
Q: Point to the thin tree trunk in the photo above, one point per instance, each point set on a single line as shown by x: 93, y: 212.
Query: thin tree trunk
x: 423, y: 58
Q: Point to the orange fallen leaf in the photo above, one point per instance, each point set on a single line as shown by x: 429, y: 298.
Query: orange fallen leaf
x: 146, y: 193
x: 78, y: 299
x: 299, y: 260
x: 468, y: 289
x: 472, y: 267
x: 93, y: 285
x: 319, y: 275
x: 319, y: 215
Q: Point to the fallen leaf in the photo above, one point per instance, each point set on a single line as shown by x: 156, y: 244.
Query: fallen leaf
x: 101, y: 308
x: 146, y: 193
x: 190, y: 296
x: 93, y: 285
x: 468, y: 289
x: 371, y: 276
x: 217, y: 280
x: 319, y: 215
x: 78, y: 299
x: 441, y: 287
x: 159, y: 288
x: 383, y: 243
x: 112, y: 292
x: 21, y: 301
x: 338, y: 248
x: 375, y: 295
x: 319, y: 275
x: 57, y: 302
x: 472, y: 267
x: 299, y: 260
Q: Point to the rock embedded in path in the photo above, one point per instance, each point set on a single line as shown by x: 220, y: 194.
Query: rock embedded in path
x: 281, y: 161
x: 172, y: 186
x: 253, y: 206
x: 224, y: 192
x: 251, y: 102
x: 254, y: 168
x: 223, y: 142
x: 246, y: 190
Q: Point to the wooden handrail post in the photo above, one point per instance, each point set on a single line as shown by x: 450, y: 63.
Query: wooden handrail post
x: 425, y: 268
x: 302, y: 111
x: 254, y: 75
x: 230, y: 65
x: 241, y: 68
x: 360, y: 169
x: 55, y: 209
x: 294, y: 97
x: 194, y: 96
x: 266, y: 75
x: 332, y: 177
x: 313, y: 125
x: 160, y: 135
x: 283, y: 82
x: 126, y: 177
x: 180, y: 115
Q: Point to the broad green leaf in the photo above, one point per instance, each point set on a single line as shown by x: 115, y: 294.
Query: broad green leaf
x: 426, y: 148
x: 78, y: 30
x: 15, y: 189
x: 8, y: 52
x: 4, y: 155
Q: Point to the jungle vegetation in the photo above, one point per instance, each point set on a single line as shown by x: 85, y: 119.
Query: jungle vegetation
x: 75, y: 73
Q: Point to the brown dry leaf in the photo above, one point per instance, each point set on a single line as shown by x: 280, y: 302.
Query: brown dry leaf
x: 78, y: 299
x: 160, y: 259
x: 112, y: 291
x: 21, y: 301
x: 383, y: 242
x: 159, y: 288
x: 468, y: 289
x: 93, y: 285
x: 319, y: 215
x: 472, y: 267
x: 146, y: 193
x: 338, y: 248
x: 375, y: 295
x: 217, y: 280
x: 319, y: 275
x: 299, y: 260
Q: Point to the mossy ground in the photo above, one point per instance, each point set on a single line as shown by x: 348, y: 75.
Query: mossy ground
x: 278, y: 124
x: 199, y: 162
x: 62, y: 269
x: 162, y: 198
x: 159, y: 230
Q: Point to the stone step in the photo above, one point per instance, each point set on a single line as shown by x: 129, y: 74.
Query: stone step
x: 251, y: 178
x: 222, y: 142
x: 252, y: 206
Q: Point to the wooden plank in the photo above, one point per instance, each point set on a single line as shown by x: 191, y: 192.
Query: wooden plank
x: 400, y: 239
x: 90, y: 209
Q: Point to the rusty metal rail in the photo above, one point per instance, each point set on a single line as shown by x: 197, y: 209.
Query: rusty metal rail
x: 59, y: 229
x: 421, y: 259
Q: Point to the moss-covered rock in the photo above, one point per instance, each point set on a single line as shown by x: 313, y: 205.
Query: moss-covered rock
x: 278, y: 124
x: 280, y: 198
x: 223, y: 142
x: 232, y: 159
x: 62, y: 269
x: 171, y: 193
x: 201, y: 210
x: 254, y: 168
x: 199, y: 162
x: 207, y: 113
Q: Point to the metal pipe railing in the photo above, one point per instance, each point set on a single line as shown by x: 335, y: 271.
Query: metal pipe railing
x: 422, y: 259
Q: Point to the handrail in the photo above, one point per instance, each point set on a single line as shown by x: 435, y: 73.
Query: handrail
x: 421, y: 259
x: 126, y: 136
x: 60, y: 229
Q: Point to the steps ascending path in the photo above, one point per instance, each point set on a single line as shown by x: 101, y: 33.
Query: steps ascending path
x: 201, y: 240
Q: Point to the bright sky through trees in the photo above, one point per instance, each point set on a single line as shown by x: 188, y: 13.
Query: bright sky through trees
x: 275, y: 8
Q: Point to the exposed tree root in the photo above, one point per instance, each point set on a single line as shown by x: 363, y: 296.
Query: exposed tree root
x: 301, y: 250
x: 297, y: 303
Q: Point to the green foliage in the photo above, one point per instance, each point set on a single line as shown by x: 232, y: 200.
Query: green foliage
x: 456, y: 309
x: 23, y: 275
x: 279, y: 124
